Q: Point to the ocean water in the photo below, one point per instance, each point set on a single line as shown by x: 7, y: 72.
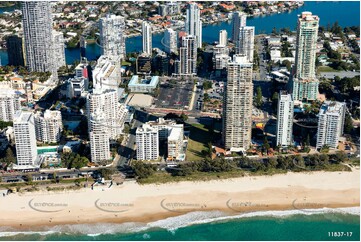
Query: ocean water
x: 310, y: 224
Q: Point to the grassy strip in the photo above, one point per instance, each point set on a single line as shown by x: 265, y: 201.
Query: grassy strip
x: 326, y: 69
x: 198, y: 140
x: 161, y: 177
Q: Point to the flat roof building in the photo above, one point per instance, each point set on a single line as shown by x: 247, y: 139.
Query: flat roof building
x: 146, y: 85
x: 331, y: 120
x: 25, y: 139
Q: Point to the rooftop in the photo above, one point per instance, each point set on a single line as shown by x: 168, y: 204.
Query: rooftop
x: 331, y: 107
x: 135, y: 81
x: 22, y: 117
x: 175, y: 132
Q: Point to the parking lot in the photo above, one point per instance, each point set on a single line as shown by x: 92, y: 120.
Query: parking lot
x: 174, y: 94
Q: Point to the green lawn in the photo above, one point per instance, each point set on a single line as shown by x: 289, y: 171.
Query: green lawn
x: 326, y: 69
x: 198, y: 140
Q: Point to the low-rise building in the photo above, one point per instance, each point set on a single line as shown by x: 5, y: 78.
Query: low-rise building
x: 147, y: 85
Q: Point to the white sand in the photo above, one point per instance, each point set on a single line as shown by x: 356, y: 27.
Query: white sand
x: 133, y: 202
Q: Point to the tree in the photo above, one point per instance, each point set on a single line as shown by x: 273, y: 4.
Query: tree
x: 9, y: 156
x: 210, y: 149
x: 272, y: 162
x: 29, y: 178
x: 143, y: 170
x: 287, y: 64
x: 274, y: 101
x: 266, y: 144
x: 106, y: 173
x: 324, y: 160
x: 206, y: 97
x: 258, y: 98
x: 4, y: 124
x: 339, y: 157
x: 184, y: 117
x: 207, y: 85
x: 348, y: 126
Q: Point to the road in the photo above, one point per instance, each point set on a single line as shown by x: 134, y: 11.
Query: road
x: 262, y: 75
x: 341, y: 74
x: 128, y: 151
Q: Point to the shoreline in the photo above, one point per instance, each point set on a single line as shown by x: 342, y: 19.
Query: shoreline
x: 136, y: 203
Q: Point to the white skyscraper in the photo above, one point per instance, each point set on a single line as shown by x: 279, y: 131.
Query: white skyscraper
x: 147, y: 143
x: 220, y: 57
x: 331, y: 120
x: 106, y: 102
x: 223, y: 37
x: 245, y: 43
x: 25, y: 139
x: 284, y: 119
x: 237, y: 105
x: 170, y: 41
x: 37, y: 27
x: 194, y: 23
x: 9, y: 104
x: 304, y: 83
x: 238, y: 20
x: 187, y: 63
x: 147, y: 38
x: 59, y: 49
x: 99, y: 137
x: 48, y: 126
x: 112, y: 37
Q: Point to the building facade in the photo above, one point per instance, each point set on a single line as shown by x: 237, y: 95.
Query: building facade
x: 48, y: 126
x: 9, y: 104
x: 193, y: 23
x: 170, y: 41
x: 238, y: 20
x: 284, y: 120
x: 331, y: 121
x: 25, y: 139
x: 303, y: 82
x: 106, y: 103
x: 223, y: 37
x: 59, y: 49
x: 107, y: 73
x: 99, y: 137
x: 112, y: 37
x: 147, y: 38
x: 187, y: 63
x: 170, y: 8
x: 220, y: 57
x: 245, y: 43
x: 237, y: 105
x: 147, y: 143
x: 37, y: 26
x: 175, y: 142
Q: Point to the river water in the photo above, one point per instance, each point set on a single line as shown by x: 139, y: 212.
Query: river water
x: 347, y: 13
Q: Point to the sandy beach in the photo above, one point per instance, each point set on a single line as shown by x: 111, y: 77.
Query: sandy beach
x: 132, y: 202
